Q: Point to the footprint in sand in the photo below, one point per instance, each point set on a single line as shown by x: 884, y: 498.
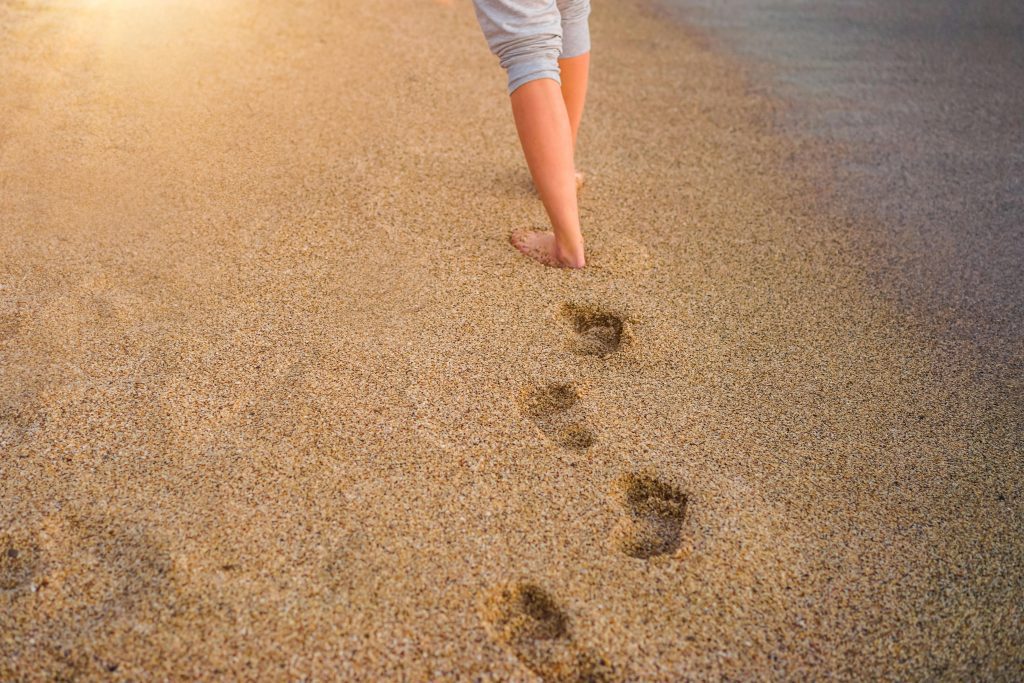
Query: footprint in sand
x: 654, y: 517
x: 555, y: 409
x: 19, y: 560
x: 110, y: 564
x: 598, y: 332
x: 524, y: 618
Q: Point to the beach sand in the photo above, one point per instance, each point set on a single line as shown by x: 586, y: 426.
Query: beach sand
x: 278, y: 401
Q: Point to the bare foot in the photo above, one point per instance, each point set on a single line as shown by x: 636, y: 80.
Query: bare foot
x: 541, y: 246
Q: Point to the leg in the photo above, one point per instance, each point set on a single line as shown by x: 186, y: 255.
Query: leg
x: 526, y: 37
x: 575, y: 72
x: 574, y: 63
x: 574, y: 93
x: 546, y: 136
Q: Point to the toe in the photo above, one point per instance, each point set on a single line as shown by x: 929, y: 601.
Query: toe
x: 518, y: 239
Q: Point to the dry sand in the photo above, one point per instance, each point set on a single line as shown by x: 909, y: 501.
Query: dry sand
x: 280, y: 402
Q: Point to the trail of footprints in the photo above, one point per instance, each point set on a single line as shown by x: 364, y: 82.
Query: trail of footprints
x: 555, y: 407
x: 522, y: 616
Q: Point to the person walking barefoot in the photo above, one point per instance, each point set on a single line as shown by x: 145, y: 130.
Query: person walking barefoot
x: 544, y: 46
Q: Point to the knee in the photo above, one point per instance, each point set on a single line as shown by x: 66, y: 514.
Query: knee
x: 526, y: 37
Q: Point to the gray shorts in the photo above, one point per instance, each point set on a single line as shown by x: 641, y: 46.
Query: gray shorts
x: 530, y: 36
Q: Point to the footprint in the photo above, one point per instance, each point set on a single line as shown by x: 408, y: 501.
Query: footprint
x: 113, y: 565
x: 85, y: 588
x: 598, y: 333
x: 19, y: 560
x: 524, y: 618
x: 654, y: 517
x: 555, y: 409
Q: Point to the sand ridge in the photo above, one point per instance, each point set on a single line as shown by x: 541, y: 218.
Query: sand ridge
x: 266, y: 361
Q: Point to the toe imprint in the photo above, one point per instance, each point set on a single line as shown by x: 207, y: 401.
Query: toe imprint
x: 655, y: 512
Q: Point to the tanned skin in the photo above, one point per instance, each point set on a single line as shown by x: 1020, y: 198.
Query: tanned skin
x: 548, y: 120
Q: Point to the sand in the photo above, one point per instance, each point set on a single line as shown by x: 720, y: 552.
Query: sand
x: 279, y: 401
x: 919, y: 106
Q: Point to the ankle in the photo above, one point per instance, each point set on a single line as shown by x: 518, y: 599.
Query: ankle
x: 570, y: 256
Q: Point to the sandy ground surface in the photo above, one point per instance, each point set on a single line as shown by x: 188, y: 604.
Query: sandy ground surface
x: 280, y: 402
x: 920, y: 106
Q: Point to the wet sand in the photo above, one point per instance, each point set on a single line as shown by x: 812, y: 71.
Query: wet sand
x: 279, y: 401
x: 920, y: 107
